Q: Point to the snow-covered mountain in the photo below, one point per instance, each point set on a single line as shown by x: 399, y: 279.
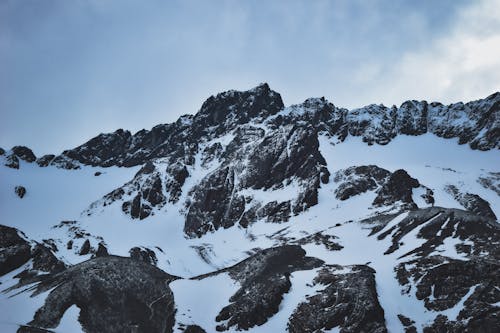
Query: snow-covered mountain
x: 250, y: 215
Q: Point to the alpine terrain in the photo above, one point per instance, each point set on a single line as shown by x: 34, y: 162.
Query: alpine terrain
x: 255, y: 216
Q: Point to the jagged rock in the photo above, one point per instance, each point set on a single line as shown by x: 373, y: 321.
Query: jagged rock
x: 374, y: 123
x: 143, y: 254
x: 98, y: 173
x: 24, y: 153
x: 194, y: 329
x: 320, y: 238
x: 398, y: 188
x: 437, y: 224
x: 408, y: 324
x: 359, y: 179
x: 472, y: 202
x: 114, y: 294
x: 102, y: 251
x: 20, y: 191
x: 14, y: 250
x: 2, y: 151
x: 45, y: 160
x: 85, y: 249
x: 12, y: 161
x: 213, y: 205
x: 348, y: 301
x: 264, y: 278
x: 69, y: 245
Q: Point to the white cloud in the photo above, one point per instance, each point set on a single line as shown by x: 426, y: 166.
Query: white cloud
x: 462, y: 65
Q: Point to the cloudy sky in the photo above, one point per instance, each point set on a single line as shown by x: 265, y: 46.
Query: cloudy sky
x: 70, y: 69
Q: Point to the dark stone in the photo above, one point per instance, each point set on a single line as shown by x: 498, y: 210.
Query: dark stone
x: 348, y: 301
x: 85, y: 249
x: 45, y: 160
x: 98, y: 173
x: 14, y: 250
x: 143, y: 254
x: 102, y: 250
x: 24, y: 153
x: 12, y: 162
x: 114, y: 294
x: 264, y: 279
x: 398, y: 188
x: 194, y: 329
x: 472, y: 202
x: 359, y: 179
x: 20, y: 191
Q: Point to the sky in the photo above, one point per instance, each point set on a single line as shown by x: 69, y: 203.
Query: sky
x: 70, y: 70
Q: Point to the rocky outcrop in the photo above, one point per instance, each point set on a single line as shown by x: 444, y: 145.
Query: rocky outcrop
x: 359, y: 179
x: 348, y: 301
x: 114, y: 294
x: 16, y: 251
x: 264, y: 279
x: 24, y: 153
x: 143, y: 254
x: 472, y: 202
x: 20, y: 191
x: 397, y: 189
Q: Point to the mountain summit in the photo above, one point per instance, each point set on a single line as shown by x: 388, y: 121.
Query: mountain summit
x: 250, y: 215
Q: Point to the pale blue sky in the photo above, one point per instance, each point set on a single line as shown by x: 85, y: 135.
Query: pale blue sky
x: 72, y: 69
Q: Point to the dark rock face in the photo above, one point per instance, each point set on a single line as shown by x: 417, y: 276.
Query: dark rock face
x: 20, y: 191
x: 102, y: 250
x: 472, y: 202
x: 12, y: 161
x: 398, y: 188
x: 437, y: 224
x: 14, y: 250
x: 24, y: 153
x: 348, y: 301
x: 85, y: 249
x: 194, y: 329
x: 114, y: 294
x: 441, y: 281
x: 359, y: 179
x: 374, y: 123
x: 45, y: 160
x: 144, y: 254
x: 264, y: 278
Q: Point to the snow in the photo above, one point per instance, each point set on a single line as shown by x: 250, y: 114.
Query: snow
x: 199, y: 301
x: 69, y: 322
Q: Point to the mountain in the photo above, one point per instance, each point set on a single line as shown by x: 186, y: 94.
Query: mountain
x: 250, y: 215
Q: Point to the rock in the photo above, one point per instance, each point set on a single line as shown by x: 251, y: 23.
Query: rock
x: 264, y: 279
x: 98, y: 173
x: 348, y: 301
x: 12, y: 161
x: 398, y: 188
x: 24, y: 153
x: 45, y: 160
x: 102, y: 251
x: 472, y: 202
x: 114, y: 294
x: 20, y: 191
x: 144, y: 254
x: 15, y: 251
x: 85, y: 249
x: 194, y: 329
x: 359, y: 179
